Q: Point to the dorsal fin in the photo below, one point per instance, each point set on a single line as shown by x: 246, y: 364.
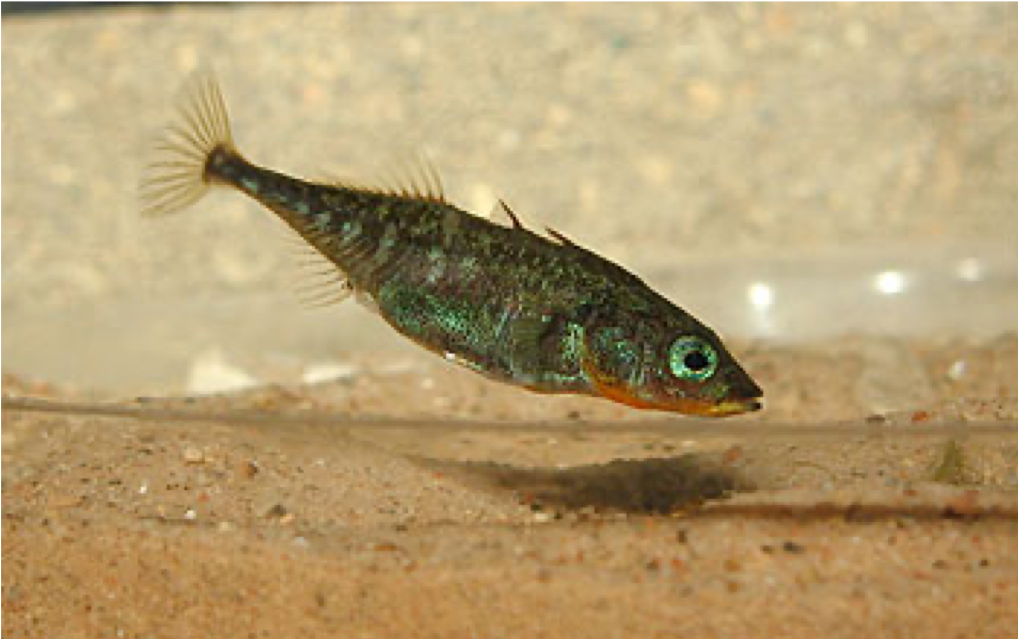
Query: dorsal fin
x: 502, y: 207
x: 415, y: 177
x: 562, y: 239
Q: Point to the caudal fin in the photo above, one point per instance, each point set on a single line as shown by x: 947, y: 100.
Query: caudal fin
x: 176, y: 177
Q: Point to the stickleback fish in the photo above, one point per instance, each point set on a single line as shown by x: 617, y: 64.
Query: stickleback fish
x: 536, y: 311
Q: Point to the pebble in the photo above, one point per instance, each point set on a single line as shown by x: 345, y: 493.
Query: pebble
x: 328, y: 372
x: 193, y: 455
x: 211, y: 373
x: 956, y: 370
x: 965, y: 504
x: 793, y: 547
x: 275, y: 510
x: 248, y: 469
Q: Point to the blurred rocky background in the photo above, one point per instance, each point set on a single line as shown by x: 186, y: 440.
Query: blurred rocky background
x: 786, y: 173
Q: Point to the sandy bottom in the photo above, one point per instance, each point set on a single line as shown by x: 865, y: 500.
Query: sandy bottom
x: 839, y: 511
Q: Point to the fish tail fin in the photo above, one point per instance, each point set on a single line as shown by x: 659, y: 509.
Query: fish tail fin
x: 182, y: 166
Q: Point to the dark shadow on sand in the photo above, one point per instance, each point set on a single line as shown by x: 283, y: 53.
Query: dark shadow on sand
x: 860, y: 512
x: 647, y: 486
x: 667, y: 485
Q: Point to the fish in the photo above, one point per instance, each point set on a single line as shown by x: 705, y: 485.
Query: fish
x: 535, y: 310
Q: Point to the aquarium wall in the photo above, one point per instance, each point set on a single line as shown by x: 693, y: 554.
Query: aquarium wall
x: 787, y: 174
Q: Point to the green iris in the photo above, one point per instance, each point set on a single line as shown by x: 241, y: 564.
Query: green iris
x: 692, y: 358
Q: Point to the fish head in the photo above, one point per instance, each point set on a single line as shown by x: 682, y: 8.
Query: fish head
x: 666, y: 361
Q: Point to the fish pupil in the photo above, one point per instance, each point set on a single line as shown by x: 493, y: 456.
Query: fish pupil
x: 696, y: 361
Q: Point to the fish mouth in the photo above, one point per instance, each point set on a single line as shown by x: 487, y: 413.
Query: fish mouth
x: 734, y: 407
x: 723, y: 408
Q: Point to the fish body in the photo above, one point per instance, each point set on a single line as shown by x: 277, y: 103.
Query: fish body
x: 532, y: 310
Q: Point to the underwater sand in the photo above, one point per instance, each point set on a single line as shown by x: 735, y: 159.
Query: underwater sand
x: 182, y: 528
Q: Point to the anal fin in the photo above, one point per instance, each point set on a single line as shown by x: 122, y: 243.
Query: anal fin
x: 320, y: 282
x: 322, y: 294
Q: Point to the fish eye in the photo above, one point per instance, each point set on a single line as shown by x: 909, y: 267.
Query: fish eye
x: 692, y: 358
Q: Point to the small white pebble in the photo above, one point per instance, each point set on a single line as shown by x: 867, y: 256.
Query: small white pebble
x: 328, y: 372
x: 193, y: 455
x: 211, y: 373
x: 542, y: 517
x: 957, y: 370
x: 143, y: 489
x: 301, y: 542
x: 190, y: 514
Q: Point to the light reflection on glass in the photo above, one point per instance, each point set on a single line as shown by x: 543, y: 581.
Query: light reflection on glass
x: 890, y: 282
x: 761, y: 295
x: 761, y: 300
